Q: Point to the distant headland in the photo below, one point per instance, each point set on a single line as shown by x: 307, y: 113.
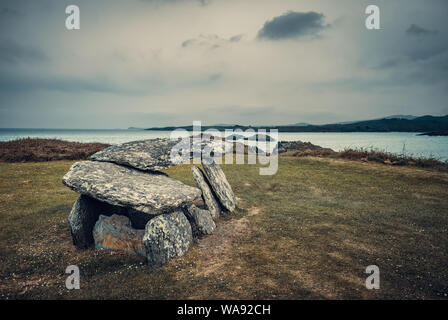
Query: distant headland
x: 427, y: 125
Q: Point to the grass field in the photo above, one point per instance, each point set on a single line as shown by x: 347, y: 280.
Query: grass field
x: 308, y: 232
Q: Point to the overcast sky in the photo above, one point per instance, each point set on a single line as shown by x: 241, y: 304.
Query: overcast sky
x: 151, y: 63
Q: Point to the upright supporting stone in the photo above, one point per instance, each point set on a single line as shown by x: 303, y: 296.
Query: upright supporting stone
x: 115, y: 233
x: 82, y: 218
x: 220, y: 185
x: 207, y: 194
x: 167, y: 236
x: 201, y: 221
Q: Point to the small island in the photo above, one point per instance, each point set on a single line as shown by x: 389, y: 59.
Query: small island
x: 435, y: 133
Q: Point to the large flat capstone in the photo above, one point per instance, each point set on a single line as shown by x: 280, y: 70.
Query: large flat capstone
x: 147, y: 155
x: 162, y: 153
x: 125, y: 187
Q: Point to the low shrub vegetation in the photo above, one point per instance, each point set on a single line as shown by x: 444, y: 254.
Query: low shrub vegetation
x: 36, y: 150
x: 391, y: 158
x: 372, y: 155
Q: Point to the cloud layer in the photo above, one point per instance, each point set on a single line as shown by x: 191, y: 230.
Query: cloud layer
x: 151, y: 63
x: 419, y: 31
x: 293, y: 25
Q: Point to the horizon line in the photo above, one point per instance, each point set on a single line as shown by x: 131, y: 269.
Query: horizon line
x: 217, y: 125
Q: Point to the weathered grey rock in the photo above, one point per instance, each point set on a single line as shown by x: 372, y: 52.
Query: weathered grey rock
x: 167, y: 236
x: 161, y: 153
x: 115, y: 233
x: 82, y: 218
x: 125, y: 187
x: 300, y: 147
x: 147, y: 155
x: 207, y: 194
x: 200, y: 220
x: 81, y: 221
x: 220, y: 185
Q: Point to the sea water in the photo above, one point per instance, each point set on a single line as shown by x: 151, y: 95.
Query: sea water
x: 408, y: 143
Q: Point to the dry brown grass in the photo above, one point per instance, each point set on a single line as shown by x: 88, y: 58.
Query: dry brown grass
x: 307, y: 232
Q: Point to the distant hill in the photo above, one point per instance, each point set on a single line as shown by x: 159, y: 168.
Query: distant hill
x: 397, y: 116
x: 401, y: 116
x: 300, y: 124
x: 417, y: 124
x: 224, y: 125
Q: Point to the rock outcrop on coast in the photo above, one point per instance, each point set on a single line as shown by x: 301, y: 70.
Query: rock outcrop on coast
x: 300, y: 147
x: 126, y: 204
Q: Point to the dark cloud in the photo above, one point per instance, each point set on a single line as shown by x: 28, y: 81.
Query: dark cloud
x: 390, y: 63
x: 413, y: 56
x: 8, y: 12
x: 292, y: 25
x: 12, y: 52
x: 426, y: 53
x: 161, y: 2
x: 215, y: 77
x: 212, y: 41
x: 204, y: 2
x: 236, y: 38
x: 416, y: 30
x: 402, y: 72
x: 26, y: 83
x: 188, y: 42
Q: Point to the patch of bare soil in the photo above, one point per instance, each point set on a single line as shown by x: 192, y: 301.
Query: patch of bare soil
x: 213, y: 248
x: 20, y: 285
